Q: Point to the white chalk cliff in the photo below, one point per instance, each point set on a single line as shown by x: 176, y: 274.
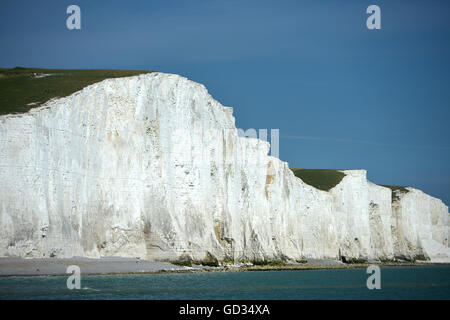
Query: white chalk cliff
x: 152, y: 166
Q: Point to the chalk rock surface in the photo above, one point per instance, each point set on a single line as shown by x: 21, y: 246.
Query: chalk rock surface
x: 152, y: 166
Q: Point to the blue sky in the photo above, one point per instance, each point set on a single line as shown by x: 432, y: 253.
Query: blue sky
x: 342, y: 96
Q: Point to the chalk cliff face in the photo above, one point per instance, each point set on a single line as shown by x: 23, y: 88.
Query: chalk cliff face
x: 152, y: 166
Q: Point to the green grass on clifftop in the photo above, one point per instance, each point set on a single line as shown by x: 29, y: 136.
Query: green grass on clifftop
x: 21, y: 86
x: 323, y: 179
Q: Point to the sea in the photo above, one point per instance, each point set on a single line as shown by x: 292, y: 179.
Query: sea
x: 417, y: 282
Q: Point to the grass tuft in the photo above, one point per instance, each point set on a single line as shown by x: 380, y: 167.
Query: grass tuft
x: 323, y: 179
x: 356, y: 260
x: 268, y: 262
x: 208, y: 263
x: 301, y: 261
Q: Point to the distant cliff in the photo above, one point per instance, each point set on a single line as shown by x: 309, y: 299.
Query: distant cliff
x: 152, y: 166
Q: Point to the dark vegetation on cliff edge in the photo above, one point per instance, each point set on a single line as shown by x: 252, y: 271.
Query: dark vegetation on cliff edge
x: 326, y: 179
x: 396, y: 191
x: 22, y: 89
x: 323, y: 179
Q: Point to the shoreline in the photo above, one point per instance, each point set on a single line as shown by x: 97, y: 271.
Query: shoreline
x: 19, y: 267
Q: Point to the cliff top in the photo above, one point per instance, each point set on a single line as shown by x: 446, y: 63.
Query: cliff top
x: 323, y: 179
x: 22, y: 89
x: 396, y: 191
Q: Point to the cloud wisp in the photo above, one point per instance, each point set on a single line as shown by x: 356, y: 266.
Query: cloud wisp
x: 368, y: 142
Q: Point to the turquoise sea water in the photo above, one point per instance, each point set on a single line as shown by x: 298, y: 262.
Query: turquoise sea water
x: 428, y: 282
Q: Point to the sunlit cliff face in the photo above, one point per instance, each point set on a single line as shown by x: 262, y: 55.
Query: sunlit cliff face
x: 152, y: 166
